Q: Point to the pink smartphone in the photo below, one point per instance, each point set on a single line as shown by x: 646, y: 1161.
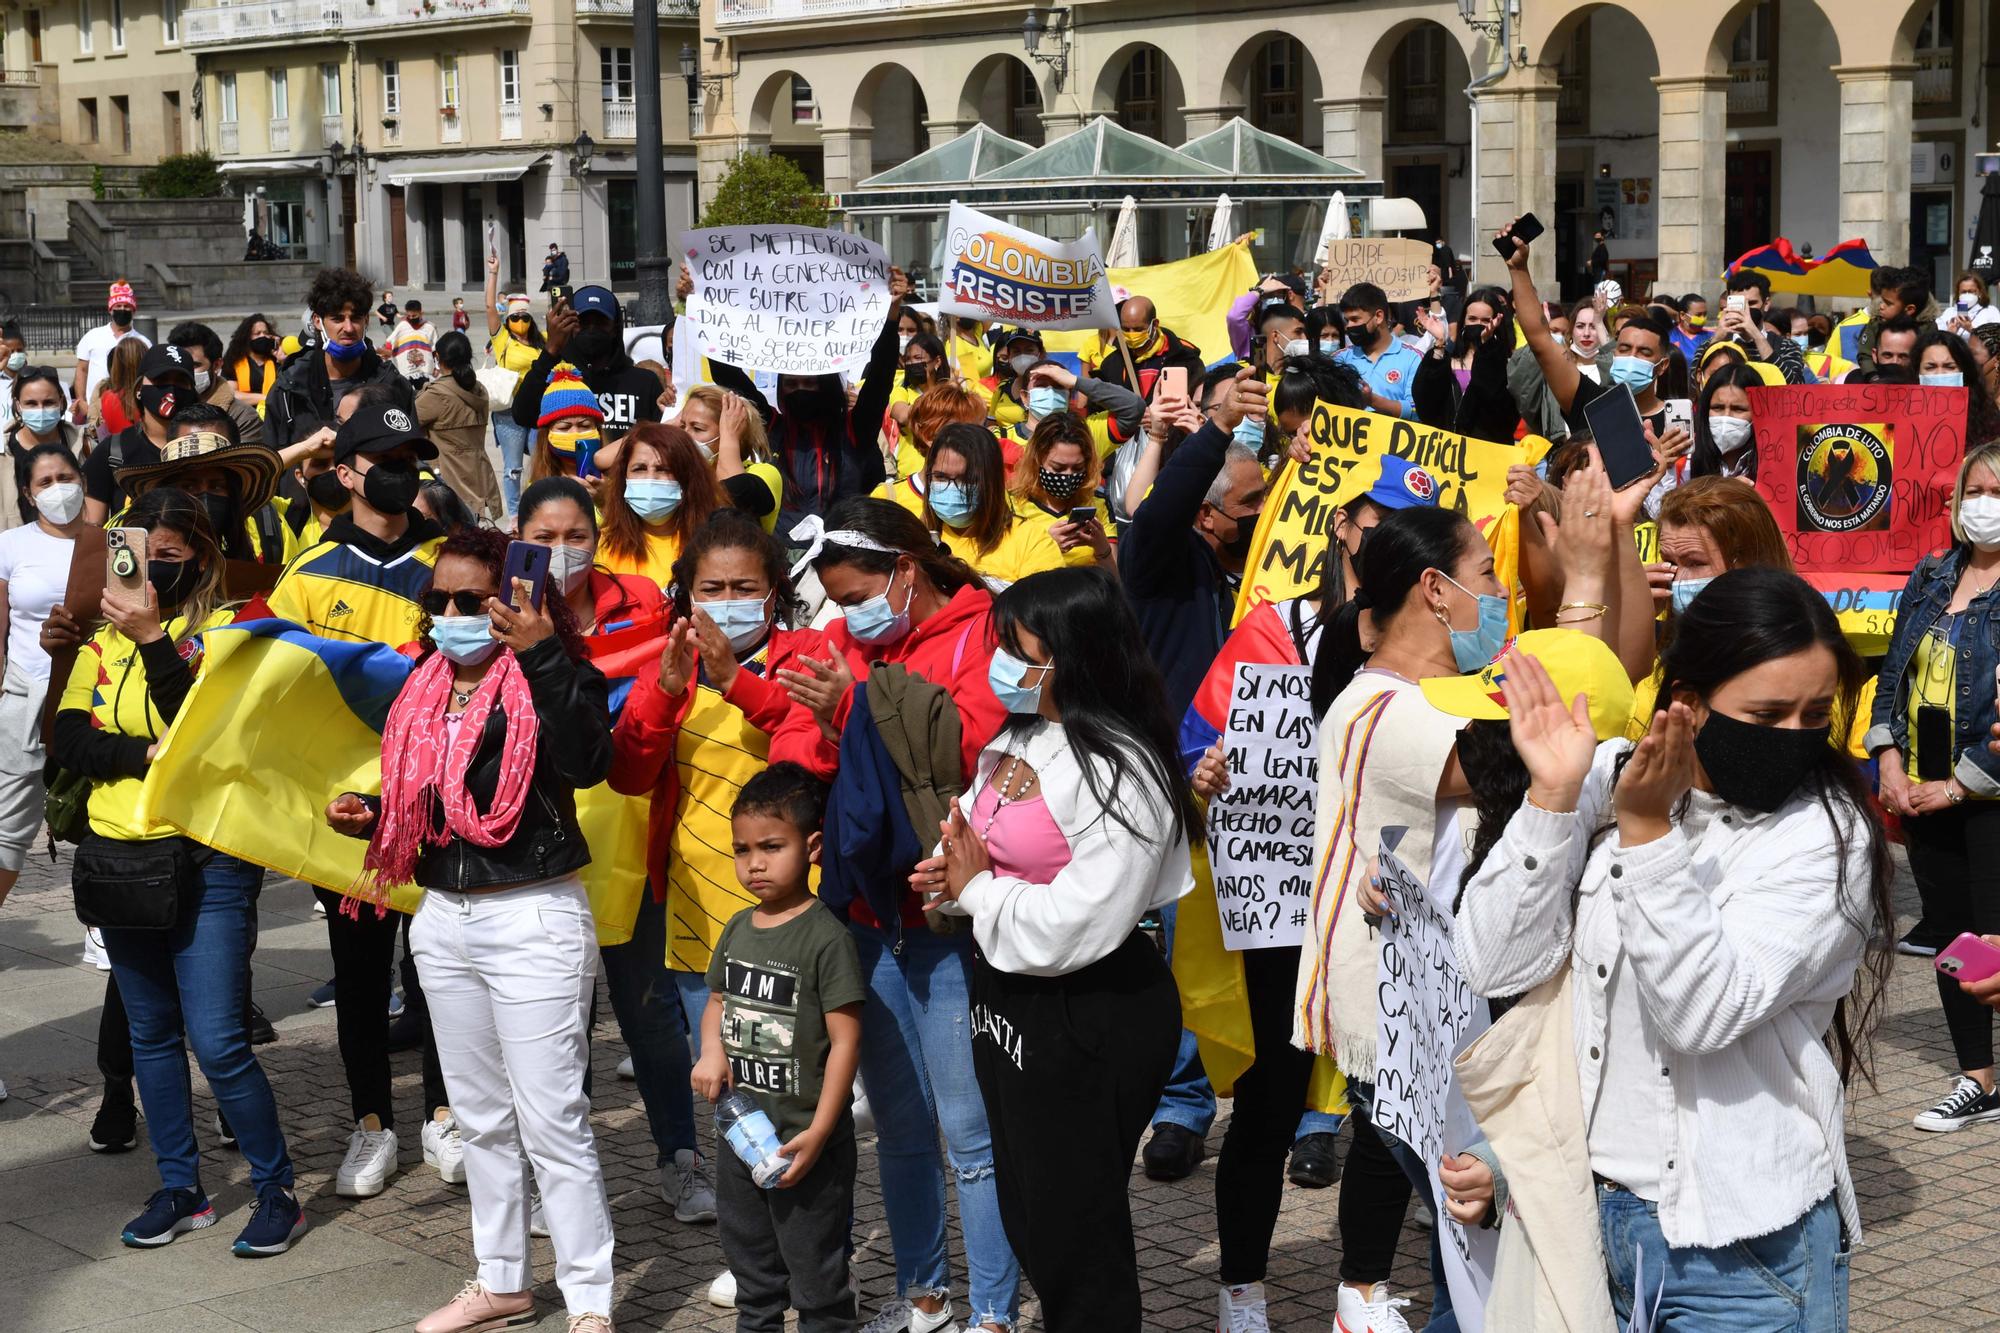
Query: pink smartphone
x: 1968, y: 958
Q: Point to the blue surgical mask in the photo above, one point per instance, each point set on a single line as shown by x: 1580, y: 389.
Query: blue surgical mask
x: 1329, y: 346
x: 1045, y: 400
x: 953, y: 501
x: 1634, y: 372
x: 1249, y: 432
x: 17, y: 362
x: 343, y: 351
x: 743, y: 620
x: 1800, y: 339
x: 1943, y: 380
x: 1683, y: 591
x: 466, y: 640
x: 1005, y: 674
x: 652, y: 498
x: 873, y: 622
x: 1472, y: 649
x: 41, y: 420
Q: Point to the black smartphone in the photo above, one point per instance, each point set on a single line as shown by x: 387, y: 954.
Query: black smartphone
x: 1933, y: 743
x: 525, y: 560
x: 1083, y: 514
x: 1614, y: 420
x: 1527, y: 228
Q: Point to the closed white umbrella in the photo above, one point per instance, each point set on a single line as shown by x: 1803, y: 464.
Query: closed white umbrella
x: 1334, y: 228
x: 1222, y: 228
x: 1123, y: 252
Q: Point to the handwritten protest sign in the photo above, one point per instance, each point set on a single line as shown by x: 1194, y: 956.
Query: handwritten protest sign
x: 1427, y: 1015
x: 1260, y: 831
x: 792, y: 300
x: 1288, y: 549
x: 1401, y: 268
x: 1859, y: 476
x: 994, y: 270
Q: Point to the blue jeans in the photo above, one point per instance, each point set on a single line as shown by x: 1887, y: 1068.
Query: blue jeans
x: 1793, y: 1280
x: 916, y: 1057
x: 1318, y: 1122
x: 196, y: 977
x: 513, y: 442
x: 1188, y: 1101
x: 693, y: 989
x: 648, y: 1007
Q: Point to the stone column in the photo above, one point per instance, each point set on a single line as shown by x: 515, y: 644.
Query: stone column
x: 1207, y: 119
x: 1875, y: 107
x: 944, y: 131
x: 1350, y: 131
x: 847, y: 157
x: 1694, y: 114
x: 1517, y: 172
x: 455, y: 258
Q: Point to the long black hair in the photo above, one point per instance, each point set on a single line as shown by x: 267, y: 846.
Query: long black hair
x: 239, y: 344
x: 1982, y: 421
x: 1499, y: 783
x: 889, y: 523
x: 1705, y: 459
x: 1742, y: 620
x: 1405, y: 544
x: 1113, y: 702
x: 24, y: 471
x: 454, y: 353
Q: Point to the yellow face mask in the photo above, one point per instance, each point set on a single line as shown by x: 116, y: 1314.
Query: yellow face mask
x: 574, y: 441
x: 1697, y: 321
x: 1138, y: 340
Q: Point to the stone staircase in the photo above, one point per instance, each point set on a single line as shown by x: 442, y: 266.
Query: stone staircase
x: 88, y: 287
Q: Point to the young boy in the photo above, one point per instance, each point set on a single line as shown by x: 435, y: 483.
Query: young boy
x: 784, y: 1024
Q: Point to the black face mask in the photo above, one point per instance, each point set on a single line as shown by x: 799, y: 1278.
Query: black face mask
x: 162, y: 400
x: 391, y: 488
x: 1469, y: 337
x: 263, y: 346
x: 916, y: 377
x: 122, y: 318
x: 326, y: 491
x: 593, y: 346
x: 221, y: 516
x: 173, y: 580
x: 1059, y: 485
x: 1757, y: 767
x: 1363, y: 337
x: 1238, y: 547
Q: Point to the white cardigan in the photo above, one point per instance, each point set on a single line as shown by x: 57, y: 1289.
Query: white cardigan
x: 1741, y: 947
x: 1113, y: 877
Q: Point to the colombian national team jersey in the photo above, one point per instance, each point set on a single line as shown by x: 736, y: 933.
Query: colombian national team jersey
x: 358, y: 590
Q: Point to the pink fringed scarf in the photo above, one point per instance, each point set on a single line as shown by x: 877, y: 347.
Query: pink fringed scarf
x: 424, y: 767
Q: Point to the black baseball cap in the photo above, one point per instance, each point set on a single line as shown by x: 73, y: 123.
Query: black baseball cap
x: 377, y: 430
x: 1016, y: 335
x: 596, y: 300
x: 164, y: 359
x: 1272, y: 306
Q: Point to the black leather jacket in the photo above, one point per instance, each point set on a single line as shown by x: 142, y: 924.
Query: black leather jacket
x: 572, y: 752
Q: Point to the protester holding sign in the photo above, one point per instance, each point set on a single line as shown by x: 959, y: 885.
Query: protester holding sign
x: 1933, y: 704
x: 1076, y: 824
x: 1710, y: 939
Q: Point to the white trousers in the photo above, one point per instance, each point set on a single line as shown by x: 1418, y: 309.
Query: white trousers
x: 508, y: 975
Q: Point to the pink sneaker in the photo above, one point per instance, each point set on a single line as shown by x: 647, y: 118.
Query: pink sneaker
x: 477, y: 1310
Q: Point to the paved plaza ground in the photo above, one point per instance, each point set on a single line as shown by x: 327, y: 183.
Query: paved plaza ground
x: 379, y: 1264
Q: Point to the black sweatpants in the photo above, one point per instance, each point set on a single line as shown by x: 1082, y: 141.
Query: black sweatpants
x: 1071, y: 1069
x: 1263, y: 1120
x: 1374, y: 1198
x: 1955, y: 857
x: 364, y: 954
x: 787, y: 1248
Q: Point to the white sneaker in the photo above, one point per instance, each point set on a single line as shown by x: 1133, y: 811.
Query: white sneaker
x: 1378, y: 1312
x: 444, y: 1149
x: 319, y: 908
x: 687, y: 1185
x: 1969, y: 1104
x: 902, y: 1316
x: 626, y: 1071
x: 3, y: 1089
x: 93, y: 950
x: 538, y: 1221
x: 370, y: 1161
x: 722, y: 1291
x: 864, y: 1114
x: 1242, y: 1310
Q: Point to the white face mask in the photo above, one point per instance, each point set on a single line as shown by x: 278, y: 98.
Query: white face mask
x: 202, y: 381
x: 569, y: 566
x: 1979, y: 517
x: 60, y: 503
x: 1729, y: 433
x: 1297, y: 347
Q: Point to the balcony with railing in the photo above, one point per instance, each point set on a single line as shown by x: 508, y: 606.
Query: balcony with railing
x: 731, y: 13
x: 281, y: 136
x: 622, y: 9
x: 227, y: 140
x: 1417, y: 109
x: 621, y: 120
x: 451, y: 126
x: 1750, y: 88
x: 270, y: 21
x: 510, y: 122
x: 1935, y: 85
x: 330, y: 130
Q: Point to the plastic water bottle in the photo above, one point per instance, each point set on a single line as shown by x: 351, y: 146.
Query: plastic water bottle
x: 752, y: 1136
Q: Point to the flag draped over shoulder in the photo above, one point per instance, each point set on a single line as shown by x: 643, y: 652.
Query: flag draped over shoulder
x: 615, y: 826
x: 229, y: 778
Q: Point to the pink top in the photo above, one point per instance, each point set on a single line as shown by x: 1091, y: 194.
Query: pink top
x: 1024, y: 841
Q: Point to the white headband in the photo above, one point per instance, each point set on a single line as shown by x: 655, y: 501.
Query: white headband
x: 812, y: 530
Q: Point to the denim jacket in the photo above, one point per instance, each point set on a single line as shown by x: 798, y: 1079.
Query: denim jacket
x: 1925, y: 598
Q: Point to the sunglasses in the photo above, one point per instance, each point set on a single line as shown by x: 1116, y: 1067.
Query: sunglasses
x: 464, y: 601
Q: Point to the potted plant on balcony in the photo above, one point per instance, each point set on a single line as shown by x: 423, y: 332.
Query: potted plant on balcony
x: 449, y: 111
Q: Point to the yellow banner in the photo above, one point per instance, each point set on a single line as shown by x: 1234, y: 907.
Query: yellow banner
x: 1191, y: 296
x: 1288, y: 552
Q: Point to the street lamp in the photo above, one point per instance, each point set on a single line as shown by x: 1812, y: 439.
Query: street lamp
x: 1034, y: 27
x: 580, y: 153
x: 690, y: 70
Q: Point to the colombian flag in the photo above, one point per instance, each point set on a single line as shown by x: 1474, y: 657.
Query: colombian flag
x: 1841, y: 271
x: 614, y: 826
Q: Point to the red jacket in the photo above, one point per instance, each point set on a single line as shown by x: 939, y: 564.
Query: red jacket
x: 642, y: 744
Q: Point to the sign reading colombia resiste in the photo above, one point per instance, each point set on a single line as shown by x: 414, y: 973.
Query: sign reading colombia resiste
x: 995, y: 271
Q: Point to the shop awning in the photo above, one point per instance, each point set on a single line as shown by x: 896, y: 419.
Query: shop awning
x: 467, y: 168
x: 270, y: 166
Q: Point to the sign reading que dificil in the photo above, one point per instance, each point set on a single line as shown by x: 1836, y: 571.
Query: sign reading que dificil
x: 791, y: 300
x: 1260, y: 830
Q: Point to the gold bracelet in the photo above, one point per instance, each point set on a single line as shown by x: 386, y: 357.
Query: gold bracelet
x: 1580, y: 620
x: 1598, y: 607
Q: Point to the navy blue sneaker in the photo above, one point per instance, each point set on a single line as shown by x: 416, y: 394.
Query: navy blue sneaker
x: 275, y: 1224
x: 168, y: 1213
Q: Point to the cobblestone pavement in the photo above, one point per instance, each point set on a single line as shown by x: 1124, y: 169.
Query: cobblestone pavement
x: 378, y: 1264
